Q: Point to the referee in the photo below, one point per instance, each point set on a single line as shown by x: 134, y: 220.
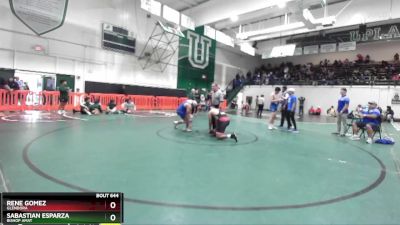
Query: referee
x: 217, y: 97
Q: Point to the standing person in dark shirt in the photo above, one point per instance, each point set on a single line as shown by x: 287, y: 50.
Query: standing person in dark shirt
x: 64, y: 96
x: 4, y: 84
x: 301, y: 105
x: 284, y: 103
x: 13, y: 84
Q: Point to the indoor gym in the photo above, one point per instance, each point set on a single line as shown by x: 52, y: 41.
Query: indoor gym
x: 170, y: 176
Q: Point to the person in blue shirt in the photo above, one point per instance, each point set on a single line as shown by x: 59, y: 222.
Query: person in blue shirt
x: 185, y: 111
x: 370, y: 120
x: 291, y: 111
x: 342, y: 112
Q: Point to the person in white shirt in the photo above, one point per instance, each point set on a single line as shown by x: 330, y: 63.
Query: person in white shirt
x: 128, y: 106
x: 260, y: 104
x: 202, y: 102
x: 217, y: 97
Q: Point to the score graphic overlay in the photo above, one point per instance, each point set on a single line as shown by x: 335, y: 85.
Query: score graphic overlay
x: 61, y: 208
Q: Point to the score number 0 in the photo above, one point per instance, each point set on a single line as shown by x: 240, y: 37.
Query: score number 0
x: 112, y: 216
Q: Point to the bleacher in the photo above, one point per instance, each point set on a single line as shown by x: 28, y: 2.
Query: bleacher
x: 326, y: 73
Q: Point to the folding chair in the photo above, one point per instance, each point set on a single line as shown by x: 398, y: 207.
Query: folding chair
x: 349, y: 122
x: 377, y: 129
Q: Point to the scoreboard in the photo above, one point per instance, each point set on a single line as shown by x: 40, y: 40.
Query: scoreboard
x: 62, y: 208
x: 118, y: 39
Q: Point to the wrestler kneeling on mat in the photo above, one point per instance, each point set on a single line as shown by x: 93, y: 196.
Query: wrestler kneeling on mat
x: 220, y: 122
x: 186, y: 111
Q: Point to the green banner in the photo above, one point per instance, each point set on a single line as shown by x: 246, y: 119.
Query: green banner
x: 196, y: 63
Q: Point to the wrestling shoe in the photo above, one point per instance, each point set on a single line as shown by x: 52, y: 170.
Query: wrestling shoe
x: 355, y: 138
x: 234, y: 137
x: 176, y: 123
x: 295, y: 131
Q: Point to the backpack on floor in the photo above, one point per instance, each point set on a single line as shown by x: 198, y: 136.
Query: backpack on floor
x: 385, y: 141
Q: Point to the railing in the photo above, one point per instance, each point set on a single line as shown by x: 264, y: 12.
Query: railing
x: 49, y: 101
x: 232, y: 89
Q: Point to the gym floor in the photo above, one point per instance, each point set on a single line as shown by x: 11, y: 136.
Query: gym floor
x: 172, y: 177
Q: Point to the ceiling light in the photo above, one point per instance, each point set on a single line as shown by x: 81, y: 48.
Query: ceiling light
x: 281, y: 4
x: 270, y: 36
x: 275, y: 29
x: 234, y: 18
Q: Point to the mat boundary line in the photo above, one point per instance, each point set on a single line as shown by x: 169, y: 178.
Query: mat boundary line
x: 3, y: 179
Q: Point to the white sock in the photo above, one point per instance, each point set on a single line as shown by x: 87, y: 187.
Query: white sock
x: 228, y: 135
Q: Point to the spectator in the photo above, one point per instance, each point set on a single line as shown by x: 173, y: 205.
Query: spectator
x: 318, y: 111
x: 112, y: 107
x: 325, y: 73
x: 243, y: 79
x: 86, y: 108
x: 20, y: 83
x: 96, y: 106
x: 301, y: 106
x: 203, y: 102
x: 396, y: 57
x: 331, y: 111
x: 360, y: 58
x: 359, y: 108
x: 26, y: 86
x: 12, y: 84
x: 192, y: 94
x: 128, y: 106
x: 367, y: 59
x: 245, y: 108
x: 369, y: 121
x: 4, y: 84
x: 389, y: 114
x: 311, y: 111
x: 346, y: 62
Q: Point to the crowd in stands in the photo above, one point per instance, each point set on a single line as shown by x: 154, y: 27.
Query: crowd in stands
x: 361, y: 71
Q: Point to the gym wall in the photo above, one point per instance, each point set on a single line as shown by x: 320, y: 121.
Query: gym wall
x: 97, y: 87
